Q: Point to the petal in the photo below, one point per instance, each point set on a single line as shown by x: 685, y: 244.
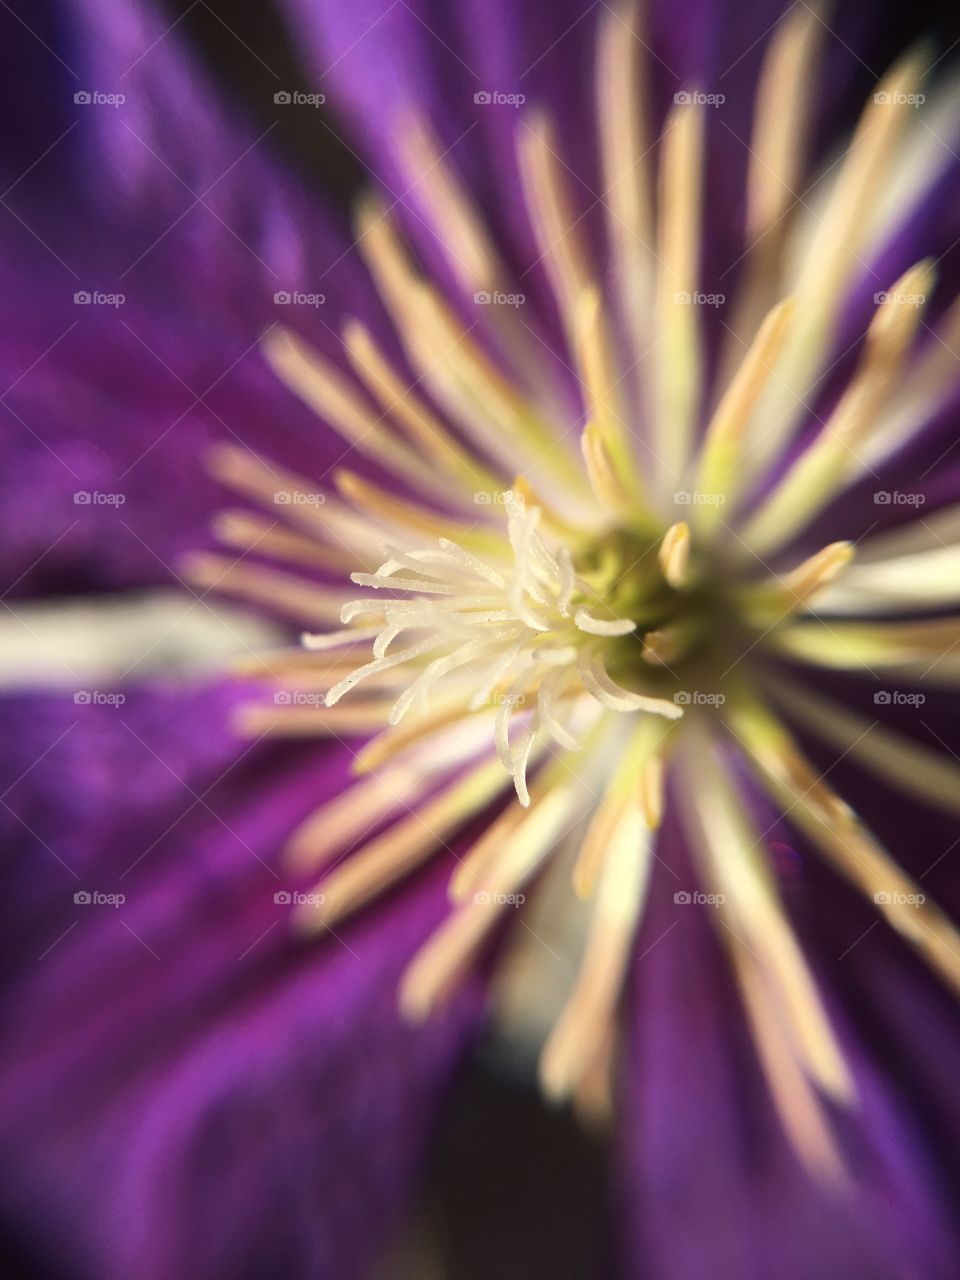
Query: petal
x: 171, y: 205
x: 920, y: 837
x: 190, y: 1091
x: 709, y: 1182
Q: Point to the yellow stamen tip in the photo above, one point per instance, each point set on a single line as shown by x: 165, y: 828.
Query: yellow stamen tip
x: 674, y: 554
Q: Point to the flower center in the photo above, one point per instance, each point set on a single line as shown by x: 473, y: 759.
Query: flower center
x: 584, y: 601
x: 531, y: 627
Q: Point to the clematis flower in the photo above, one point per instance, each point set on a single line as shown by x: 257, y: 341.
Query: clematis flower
x: 539, y: 616
x: 636, y: 401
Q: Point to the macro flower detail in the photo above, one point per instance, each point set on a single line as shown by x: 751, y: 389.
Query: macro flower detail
x: 569, y: 393
x: 588, y: 597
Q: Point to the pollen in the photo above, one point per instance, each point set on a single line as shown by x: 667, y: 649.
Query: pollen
x: 561, y: 620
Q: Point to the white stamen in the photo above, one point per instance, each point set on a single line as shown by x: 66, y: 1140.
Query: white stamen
x: 334, y: 639
x: 379, y: 664
x: 600, y: 627
x: 594, y: 675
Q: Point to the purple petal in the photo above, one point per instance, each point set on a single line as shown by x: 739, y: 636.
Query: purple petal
x: 710, y: 1186
x: 191, y: 1091
x: 176, y: 206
